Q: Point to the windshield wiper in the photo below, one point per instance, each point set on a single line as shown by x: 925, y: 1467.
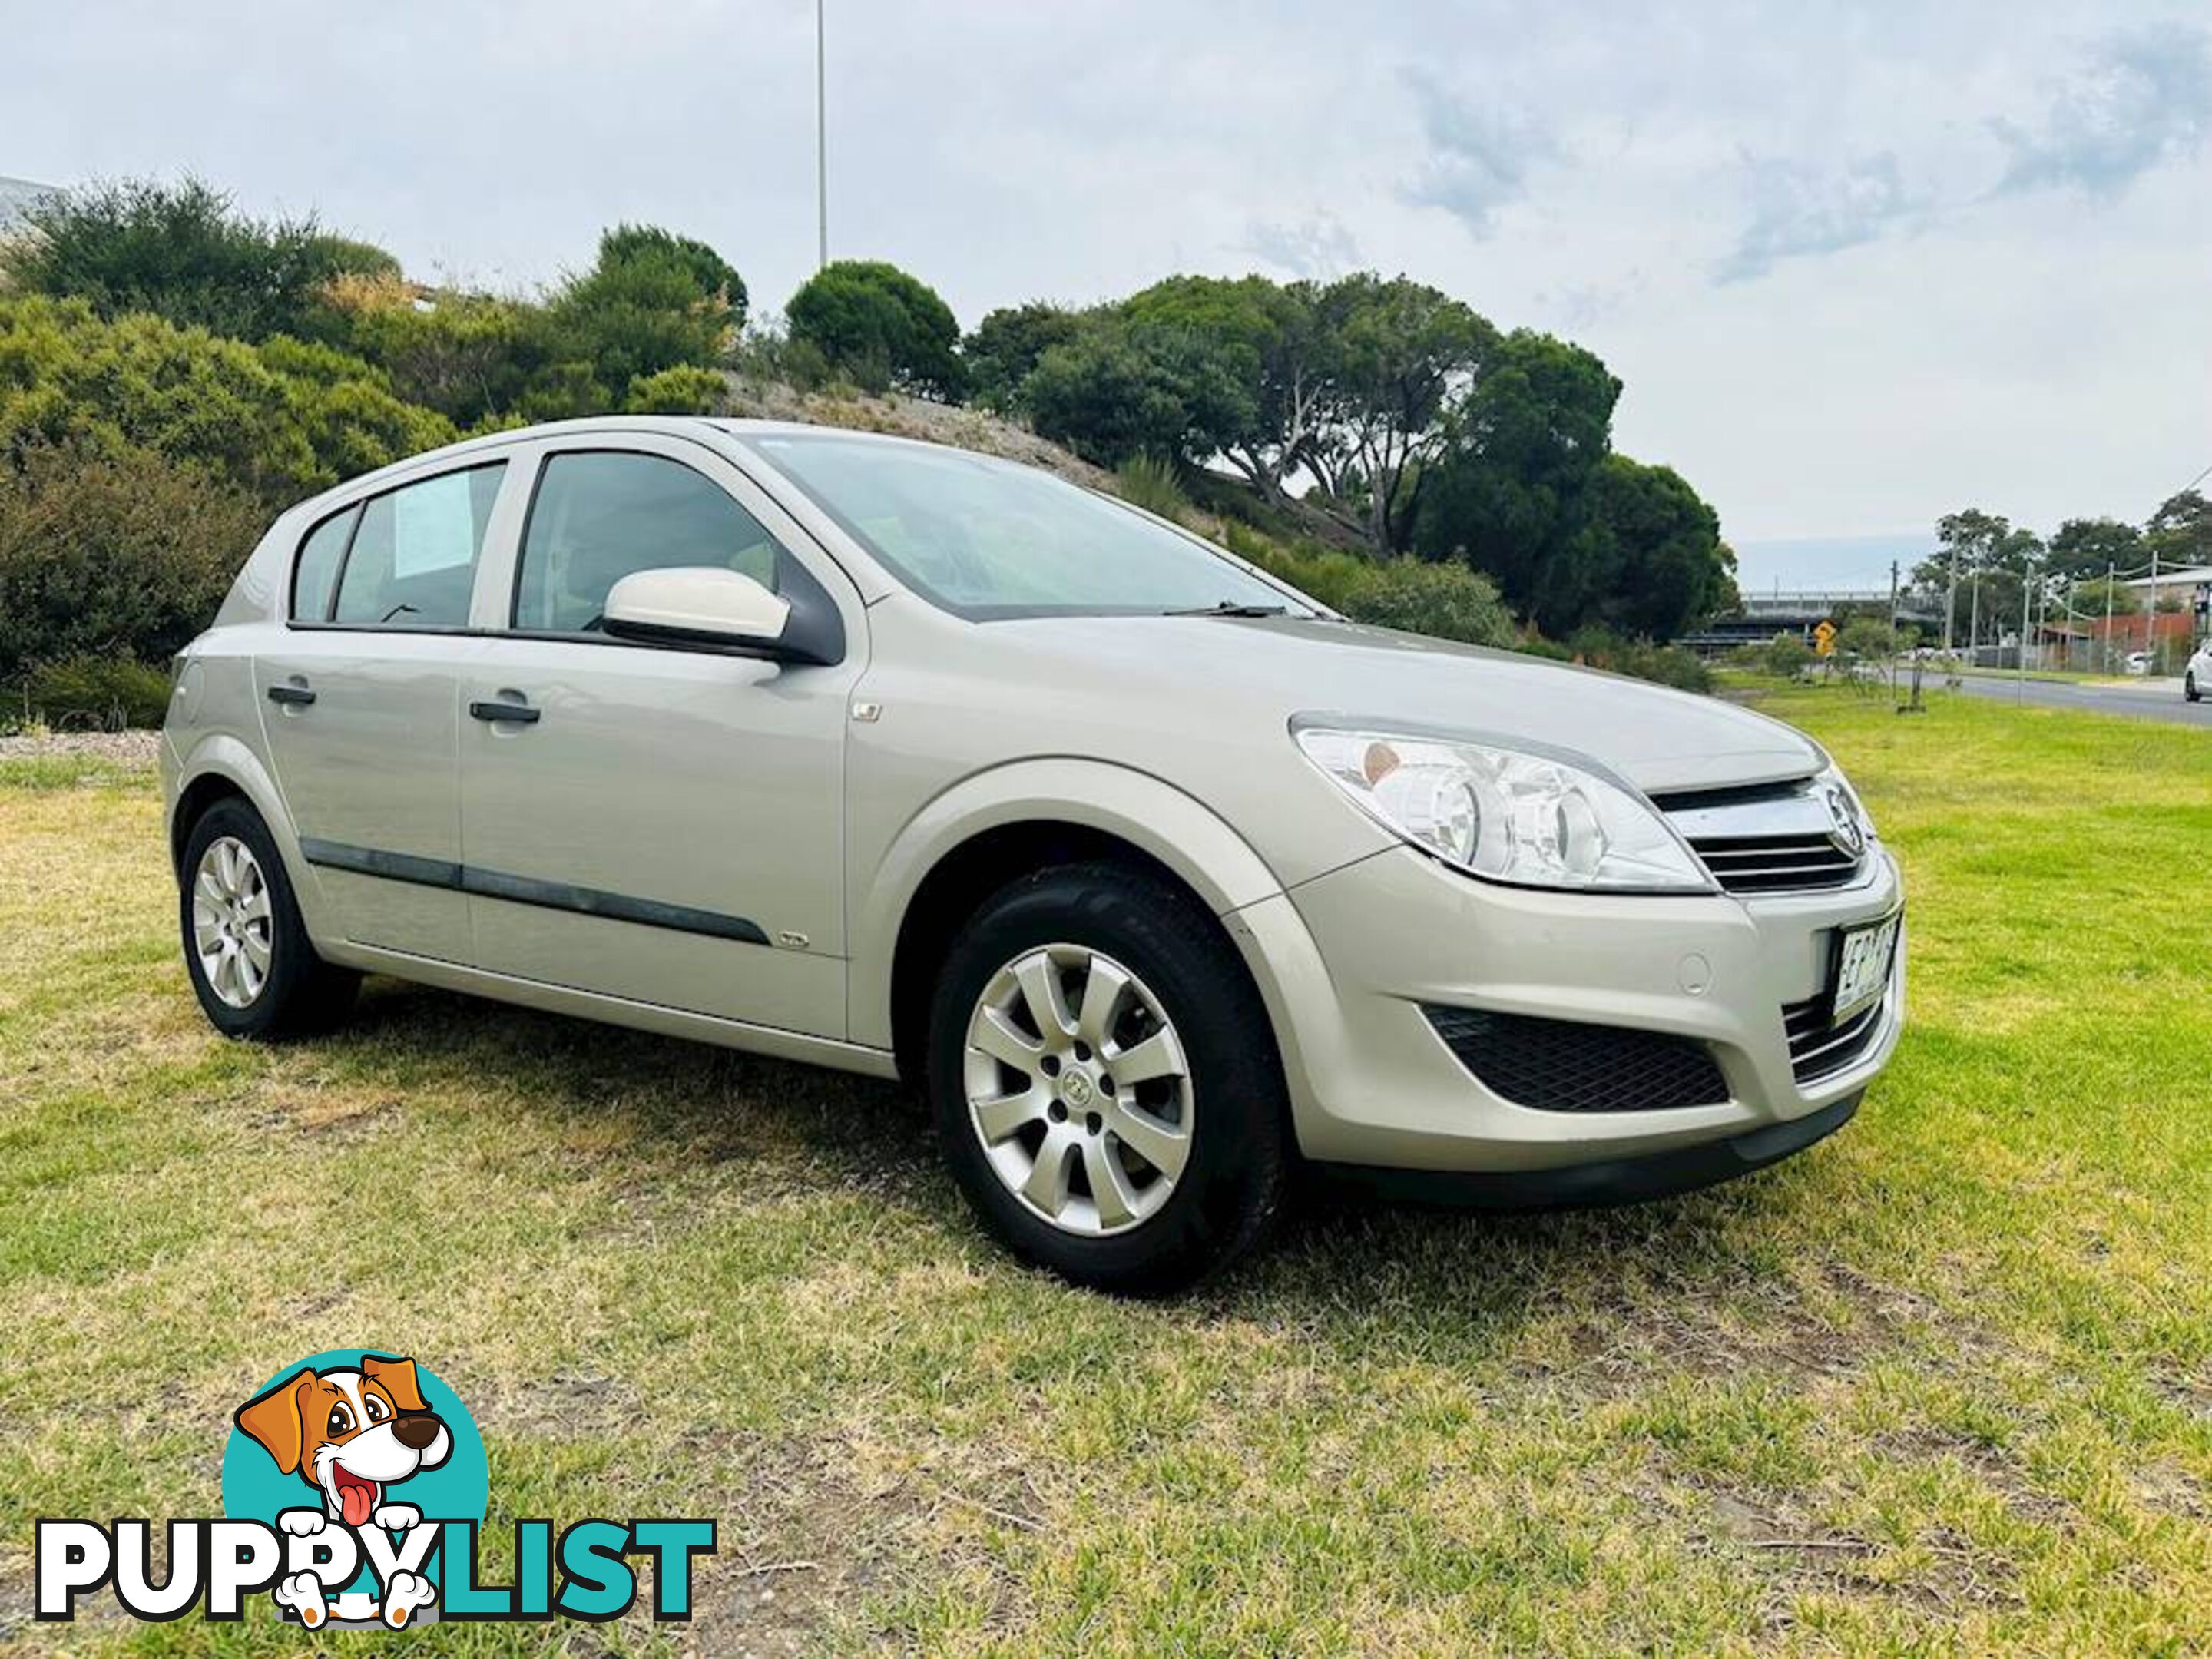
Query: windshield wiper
x: 1229, y: 608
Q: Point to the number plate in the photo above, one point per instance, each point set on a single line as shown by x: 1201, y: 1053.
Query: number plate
x: 1862, y: 962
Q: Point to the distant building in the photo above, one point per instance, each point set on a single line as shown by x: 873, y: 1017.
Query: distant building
x: 15, y: 196
x: 2184, y: 587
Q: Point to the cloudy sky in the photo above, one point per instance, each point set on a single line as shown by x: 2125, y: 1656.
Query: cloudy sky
x: 1857, y: 265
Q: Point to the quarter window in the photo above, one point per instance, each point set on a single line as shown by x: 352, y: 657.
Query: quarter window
x: 414, y: 557
x: 602, y: 514
x: 315, y: 578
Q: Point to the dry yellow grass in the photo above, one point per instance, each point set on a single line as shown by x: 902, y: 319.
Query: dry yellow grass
x: 1943, y: 1385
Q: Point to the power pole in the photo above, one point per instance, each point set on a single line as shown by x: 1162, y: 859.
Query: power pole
x: 1892, y: 630
x: 2109, y: 572
x: 2026, y: 576
x: 822, y: 131
x: 1951, y: 600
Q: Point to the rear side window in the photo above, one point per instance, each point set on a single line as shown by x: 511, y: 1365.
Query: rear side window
x: 413, y: 558
x: 315, y: 578
x: 602, y: 514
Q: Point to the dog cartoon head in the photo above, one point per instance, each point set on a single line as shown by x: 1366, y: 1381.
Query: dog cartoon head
x: 348, y: 1433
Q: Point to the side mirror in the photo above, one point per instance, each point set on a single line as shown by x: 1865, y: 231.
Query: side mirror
x: 696, y: 606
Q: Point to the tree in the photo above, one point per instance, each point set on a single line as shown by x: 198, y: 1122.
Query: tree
x: 1508, y: 493
x: 1285, y: 353
x: 182, y: 252
x: 1122, y: 389
x: 1648, y: 560
x: 872, y: 320
x: 1402, y: 351
x: 1006, y: 345
x: 2085, y: 547
x: 2181, y: 530
x: 1981, y: 564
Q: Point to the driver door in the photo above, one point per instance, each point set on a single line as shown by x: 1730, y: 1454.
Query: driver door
x: 656, y: 823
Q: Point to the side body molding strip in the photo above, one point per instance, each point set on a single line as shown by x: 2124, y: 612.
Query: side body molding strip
x: 527, y: 889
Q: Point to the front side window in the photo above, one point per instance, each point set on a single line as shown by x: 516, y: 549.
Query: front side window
x: 413, y: 559
x: 987, y: 538
x: 599, y: 515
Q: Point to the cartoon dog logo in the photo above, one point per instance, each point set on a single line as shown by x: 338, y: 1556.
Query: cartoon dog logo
x: 351, y: 1434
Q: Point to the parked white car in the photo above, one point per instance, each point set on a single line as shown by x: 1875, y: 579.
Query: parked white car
x: 2197, y: 676
x: 1154, y: 872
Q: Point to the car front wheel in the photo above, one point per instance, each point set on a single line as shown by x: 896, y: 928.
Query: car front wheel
x: 1104, y: 1081
x: 246, y: 947
x: 2188, y: 687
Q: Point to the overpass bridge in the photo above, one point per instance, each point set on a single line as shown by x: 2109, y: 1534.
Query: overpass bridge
x: 1799, y: 611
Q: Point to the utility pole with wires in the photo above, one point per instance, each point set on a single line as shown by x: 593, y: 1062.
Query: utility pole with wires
x: 2020, y: 655
x: 822, y: 132
x: 2110, y: 574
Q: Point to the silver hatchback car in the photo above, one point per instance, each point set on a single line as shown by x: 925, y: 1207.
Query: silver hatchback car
x: 1154, y: 874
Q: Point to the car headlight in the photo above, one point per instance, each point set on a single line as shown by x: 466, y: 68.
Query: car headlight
x: 1831, y: 778
x: 1509, y: 815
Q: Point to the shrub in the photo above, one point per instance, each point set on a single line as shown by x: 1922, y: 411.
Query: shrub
x: 281, y: 422
x: 1665, y: 664
x: 120, y: 555
x: 1446, y: 600
x: 684, y: 390
x: 1148, y: 481
x: 100, y: 694
x: 653, y: 301
x: 185, y: 252
x: 871, y: 320
x: 470, y: 356
x: 1787, y: 656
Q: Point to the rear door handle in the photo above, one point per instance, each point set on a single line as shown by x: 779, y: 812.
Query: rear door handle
x: 521, y: 713
x: 291, y: 693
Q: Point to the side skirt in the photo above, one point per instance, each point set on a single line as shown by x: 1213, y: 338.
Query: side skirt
x: 616, y: 1011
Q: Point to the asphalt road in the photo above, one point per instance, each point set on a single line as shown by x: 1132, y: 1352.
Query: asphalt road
x: 2147, y: 700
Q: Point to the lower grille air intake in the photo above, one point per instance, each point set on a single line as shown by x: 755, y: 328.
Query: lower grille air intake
x: 1564, y: 1066
x: 1820, y: 1049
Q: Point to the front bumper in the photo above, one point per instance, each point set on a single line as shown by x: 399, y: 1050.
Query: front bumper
x: 1346, y: 960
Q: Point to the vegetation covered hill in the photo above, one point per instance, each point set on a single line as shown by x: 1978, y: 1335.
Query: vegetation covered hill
x: 173, y: 370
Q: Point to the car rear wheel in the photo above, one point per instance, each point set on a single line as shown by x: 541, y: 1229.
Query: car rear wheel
x: 246, y: 947
x: 2188, y: 687
x: 1105, y: 1085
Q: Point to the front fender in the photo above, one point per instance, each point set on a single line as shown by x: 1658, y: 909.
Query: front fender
x: 1188, y: 837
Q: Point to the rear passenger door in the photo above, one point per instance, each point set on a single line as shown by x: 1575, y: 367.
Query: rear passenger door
x: 361, y: 705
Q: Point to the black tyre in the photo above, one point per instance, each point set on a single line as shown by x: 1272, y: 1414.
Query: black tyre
x: 1105, y: 1081
x: 2188, y: 688
x: 251, y: 965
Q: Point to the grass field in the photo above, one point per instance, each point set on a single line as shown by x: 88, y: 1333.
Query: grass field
x: 1942, y: 1385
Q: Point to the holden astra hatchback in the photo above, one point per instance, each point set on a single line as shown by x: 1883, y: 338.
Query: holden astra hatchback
x: 1155, y: 876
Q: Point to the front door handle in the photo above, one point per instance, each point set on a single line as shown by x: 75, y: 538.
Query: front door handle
x: 298, y: 694
x: 520, y: 714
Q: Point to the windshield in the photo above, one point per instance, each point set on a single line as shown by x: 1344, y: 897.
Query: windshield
x: 988, y: 538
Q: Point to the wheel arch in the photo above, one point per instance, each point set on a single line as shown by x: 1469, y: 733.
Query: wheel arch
x: 1000, y: 825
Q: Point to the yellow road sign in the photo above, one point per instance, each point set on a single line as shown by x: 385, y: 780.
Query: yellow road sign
x: 1824, y: 639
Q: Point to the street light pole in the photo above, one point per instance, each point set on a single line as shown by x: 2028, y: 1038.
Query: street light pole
x: 822, y: 132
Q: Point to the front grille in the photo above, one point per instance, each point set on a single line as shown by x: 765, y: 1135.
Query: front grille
x: 1564, y: 1066
x: 1819, y: 1049
x: 1776, y: 864
x: 1770, y: 838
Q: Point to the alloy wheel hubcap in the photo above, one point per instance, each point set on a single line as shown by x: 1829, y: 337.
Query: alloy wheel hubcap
x: 232, y: 929
x: 1079, y: 1090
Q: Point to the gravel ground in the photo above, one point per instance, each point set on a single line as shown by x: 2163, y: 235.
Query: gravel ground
x: 130, y: 748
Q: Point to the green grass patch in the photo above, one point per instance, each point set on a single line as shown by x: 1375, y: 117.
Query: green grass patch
x: 1942, y: 1385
